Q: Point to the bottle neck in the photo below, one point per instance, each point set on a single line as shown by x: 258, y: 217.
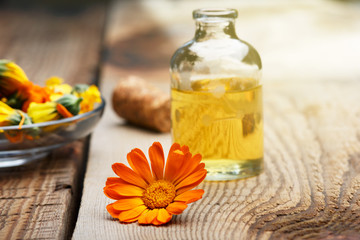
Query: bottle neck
x: 219, y: 28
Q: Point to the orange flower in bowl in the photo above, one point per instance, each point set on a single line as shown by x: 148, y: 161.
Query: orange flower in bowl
x: 33, y: 93
x: 153, y: 196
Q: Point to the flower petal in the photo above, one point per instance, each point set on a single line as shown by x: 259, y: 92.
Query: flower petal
x: 128, y: 175
x: 118, y: 191
x: 113, y: 180
x: 127, y: 203
x: 190, y: 196
x: 163, y: 216
x: 140, y: 165
x: 156, y: 154
x: 131, y: 220
x: 174, y: 147
x: 191, y: 186
x: 116, y: 180
x: 63, y: 111
x: 185, y: 169
x: 156, y: 222
x: 184, y: 149
x: 142, y: 218
x: 188, y: 168
x: 43, y: 112
x: 114, y: 213
x: 137, y: 150
x: 176, y: 207
x: 174, y: 161
x: 132, y: 214
x: 111, y: 193
x: 151, y: 215
x: 194, y: 177
x: 199, y: 167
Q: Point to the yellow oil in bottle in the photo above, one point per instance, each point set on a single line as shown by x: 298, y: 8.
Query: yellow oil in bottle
x: 222, y: 120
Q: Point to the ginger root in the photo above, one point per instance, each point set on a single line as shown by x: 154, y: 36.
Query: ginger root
x: 142, y: 104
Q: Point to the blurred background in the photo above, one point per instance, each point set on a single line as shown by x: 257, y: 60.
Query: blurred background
x: 307, y: 40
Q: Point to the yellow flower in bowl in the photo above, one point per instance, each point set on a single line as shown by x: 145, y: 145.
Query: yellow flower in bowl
x: 89, y: 94
x: 10, y: 116
x: 64, y: 107
x: 12, y: 77
x: 43, y: 112
x: 58, y: 88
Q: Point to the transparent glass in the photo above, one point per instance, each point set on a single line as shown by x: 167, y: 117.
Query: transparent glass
x: 216, y: 97
x: 33, y: 142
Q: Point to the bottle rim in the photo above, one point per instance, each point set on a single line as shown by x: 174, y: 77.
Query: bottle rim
x: 215, y: 13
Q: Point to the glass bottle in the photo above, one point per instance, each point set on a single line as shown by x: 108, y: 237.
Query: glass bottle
x: 216, y: 97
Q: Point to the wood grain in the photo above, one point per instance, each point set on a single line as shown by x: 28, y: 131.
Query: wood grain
x: 37, y: 201
x: 311, y: 185
x: 40, y: 201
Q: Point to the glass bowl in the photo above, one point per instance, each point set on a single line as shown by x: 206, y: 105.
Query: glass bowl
x: 35, y: 141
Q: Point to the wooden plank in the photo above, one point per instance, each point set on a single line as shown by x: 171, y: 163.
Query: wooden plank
x: 37, y: 201
x: 310, y: 187
x: 311, y: 184
x: 40, y: 201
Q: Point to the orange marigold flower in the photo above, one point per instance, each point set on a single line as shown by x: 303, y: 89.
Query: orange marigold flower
x: 34, y: 93
x: 153, y: 196
x: 27, y: 93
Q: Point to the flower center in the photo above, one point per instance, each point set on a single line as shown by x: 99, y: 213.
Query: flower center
x: 159, y: 194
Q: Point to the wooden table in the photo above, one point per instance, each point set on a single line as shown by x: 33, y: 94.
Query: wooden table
x: 311, y: 185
